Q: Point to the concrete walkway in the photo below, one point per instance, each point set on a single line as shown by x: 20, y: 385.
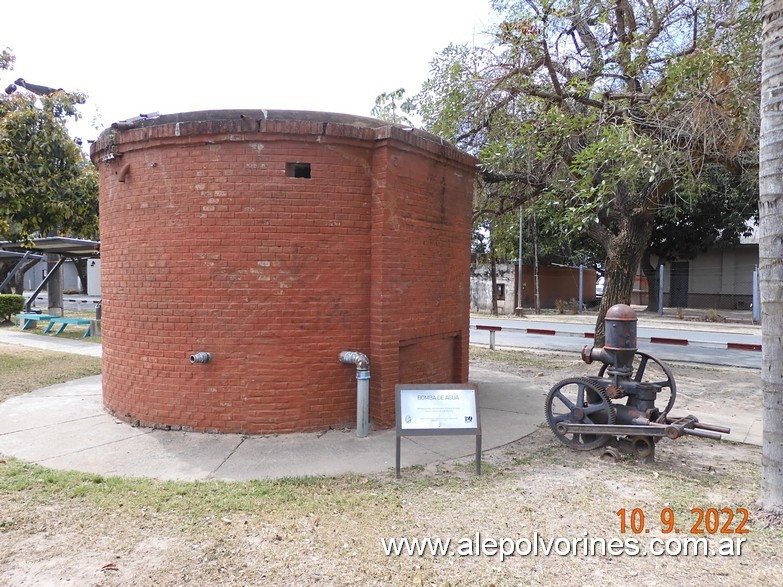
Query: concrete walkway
x: 50, y: 343
x: 65, y: 427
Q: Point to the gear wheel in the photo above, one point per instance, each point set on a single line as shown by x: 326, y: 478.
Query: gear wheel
x: 579, y: 400
x: 646, y: 366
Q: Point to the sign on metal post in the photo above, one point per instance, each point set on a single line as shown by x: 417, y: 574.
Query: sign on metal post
x: 437, y: 410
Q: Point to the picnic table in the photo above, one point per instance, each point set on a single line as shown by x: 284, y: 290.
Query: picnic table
x: 63, y: 322
x: 26, y: 320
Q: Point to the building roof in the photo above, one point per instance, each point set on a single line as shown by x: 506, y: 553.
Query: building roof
x: 60, y: 245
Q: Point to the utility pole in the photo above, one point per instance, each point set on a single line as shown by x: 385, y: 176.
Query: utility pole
x: 520, y: 280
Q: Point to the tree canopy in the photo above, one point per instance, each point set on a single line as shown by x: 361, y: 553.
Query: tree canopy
x: 611, y: 110
x: 47, y: 184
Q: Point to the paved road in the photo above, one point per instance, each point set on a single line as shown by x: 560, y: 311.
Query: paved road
x: 71, y: 302
x: 702, y: 346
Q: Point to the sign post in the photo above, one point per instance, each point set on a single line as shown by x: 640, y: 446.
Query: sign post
x: 437, y: 410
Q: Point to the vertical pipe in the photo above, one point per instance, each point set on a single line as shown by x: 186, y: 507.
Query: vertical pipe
x: 362, y: 389
x: 519, y: 280
x: 535, y: 264
x: 660, y: 289
x: 362, y: 403
x: 756, y: 298
x: 581, y: 286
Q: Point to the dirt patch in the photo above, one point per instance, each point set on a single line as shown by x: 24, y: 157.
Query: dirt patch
x: 64, y: 528
x: 697, y: 386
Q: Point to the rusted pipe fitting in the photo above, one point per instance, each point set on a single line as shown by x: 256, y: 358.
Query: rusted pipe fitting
x: 124, y: 171
x: 591, y: 353
x: 201, y: 357
x: 611, y: 452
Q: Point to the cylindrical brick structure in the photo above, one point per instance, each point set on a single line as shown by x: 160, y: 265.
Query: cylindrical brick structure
x: 273, y: 241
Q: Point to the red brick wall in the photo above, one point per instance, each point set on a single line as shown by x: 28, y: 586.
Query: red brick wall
x: 207, y: 245
x: 556, y: 283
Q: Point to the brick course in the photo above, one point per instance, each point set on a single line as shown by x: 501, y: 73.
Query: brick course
x: 207, y: 244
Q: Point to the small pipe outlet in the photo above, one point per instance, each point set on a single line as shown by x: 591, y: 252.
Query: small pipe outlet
x: 201, y: 357
x: 123, y: 173
x: 590, y: 354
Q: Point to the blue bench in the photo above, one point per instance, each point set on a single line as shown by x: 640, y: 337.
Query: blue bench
x: 63, y: 322
x: 26, y: 320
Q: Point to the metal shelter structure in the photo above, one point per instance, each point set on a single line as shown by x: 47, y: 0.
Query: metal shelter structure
x: 21, y: 258
x: 64, y: 248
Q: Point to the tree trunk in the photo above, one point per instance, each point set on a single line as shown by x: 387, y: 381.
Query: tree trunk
x: 17, y: 283
x: 771, y: 254
x: 651, y: 274
x: 624, y: 254
x: 81, y: 271
x: 5, y: 269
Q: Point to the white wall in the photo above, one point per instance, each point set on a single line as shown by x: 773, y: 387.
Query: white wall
x: 94, y: 277
x: 34, y: 276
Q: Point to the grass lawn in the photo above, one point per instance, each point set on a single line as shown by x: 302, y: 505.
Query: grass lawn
x: 25, y: 369
x: 63, y: 527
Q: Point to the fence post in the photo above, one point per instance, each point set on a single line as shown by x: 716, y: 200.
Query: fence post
x: 581, y: 286
x: 756, y: 301
x: 660, y: 289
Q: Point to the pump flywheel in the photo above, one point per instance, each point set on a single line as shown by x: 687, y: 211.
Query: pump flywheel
x: 578, y: 400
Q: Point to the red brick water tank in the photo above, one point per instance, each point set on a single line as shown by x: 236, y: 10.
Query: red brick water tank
x: 274, y: 240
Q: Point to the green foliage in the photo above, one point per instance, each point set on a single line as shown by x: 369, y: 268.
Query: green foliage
x: 583, y: 99
x: 6, y: 59
x: 10, y: 305
x: 47, y: 185
x: 716, y: 213
x: 606, y: 116
x: 560, y: 237
x: 496, y: 235
x: 393, y: 107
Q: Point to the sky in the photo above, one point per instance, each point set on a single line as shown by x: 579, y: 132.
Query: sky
x: 169, y: 56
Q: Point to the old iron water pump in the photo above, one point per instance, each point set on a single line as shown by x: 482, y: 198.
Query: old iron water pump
x: 586, y: 412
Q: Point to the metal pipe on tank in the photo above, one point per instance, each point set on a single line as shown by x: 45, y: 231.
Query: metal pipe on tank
x: 362, y: 389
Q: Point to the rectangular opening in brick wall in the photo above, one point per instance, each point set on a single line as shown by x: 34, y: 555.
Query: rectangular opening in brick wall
x: 297, y: 170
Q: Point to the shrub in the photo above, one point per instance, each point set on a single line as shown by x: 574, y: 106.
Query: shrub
x: 560, y: 305
x: 10, y: 304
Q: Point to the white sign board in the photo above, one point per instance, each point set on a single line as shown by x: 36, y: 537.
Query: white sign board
x: 435, y: 410
x: 442, y: 408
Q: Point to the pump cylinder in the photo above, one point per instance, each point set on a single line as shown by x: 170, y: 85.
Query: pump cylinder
x: 620, y: 328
